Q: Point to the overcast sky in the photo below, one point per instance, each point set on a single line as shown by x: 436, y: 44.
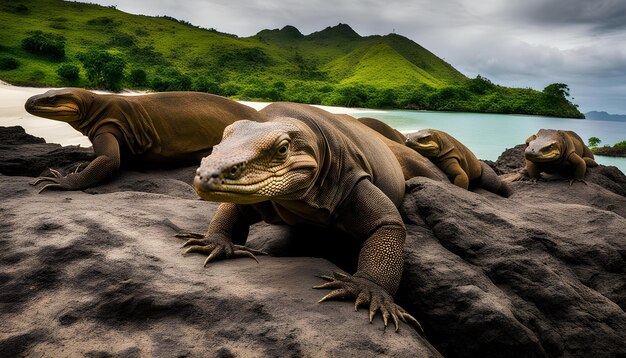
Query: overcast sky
x: 521, y: 43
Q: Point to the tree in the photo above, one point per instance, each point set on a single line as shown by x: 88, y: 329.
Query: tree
x: 104, y: 70
x: 138, y: 77
x: 557, y: 90
x: 45, y: 44
x: 594, y: 141
x: 68, y: 71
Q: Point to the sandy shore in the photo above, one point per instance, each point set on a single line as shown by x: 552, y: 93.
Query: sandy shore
x: 12, y: 113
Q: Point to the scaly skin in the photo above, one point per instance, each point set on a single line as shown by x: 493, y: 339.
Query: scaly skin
x: 158, y: 130
x: 456, y: 160
x: 304, y: 166
x: 557, y: 151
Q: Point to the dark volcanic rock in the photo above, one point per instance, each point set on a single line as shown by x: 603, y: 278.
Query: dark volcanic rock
x: 105, y: 277
x: 525, y: 276
x: 26, y: 155
x: 511, y: 160
x: 99, y: 274
x: 16, y: 135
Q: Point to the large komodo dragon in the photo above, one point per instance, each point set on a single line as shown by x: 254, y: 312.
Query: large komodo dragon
x: 158, y: 130
x: 559, y: 152
x: 457, y: 161
x: 308, y: 166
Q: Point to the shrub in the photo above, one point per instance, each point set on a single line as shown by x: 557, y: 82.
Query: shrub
x: 120, y: 39
x: 171, y: 80
x: 68, y: 71
x: 203, y: 84
x: 45, y: 44
x: 102, y: 21
x: 138, y: 77
x: 104, y: 70
x: 594, y: 141
x: 620, y: 144
x: 8, y: 63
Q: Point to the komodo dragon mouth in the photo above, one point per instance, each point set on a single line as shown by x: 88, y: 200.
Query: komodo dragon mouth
x: 537, y: 153
x: 256, y: 162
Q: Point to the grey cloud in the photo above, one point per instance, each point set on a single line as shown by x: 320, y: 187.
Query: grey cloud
x: 600, y: 15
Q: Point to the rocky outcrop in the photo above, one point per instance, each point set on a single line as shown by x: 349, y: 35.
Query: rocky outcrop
x: 98, y: 273
x: 24, y: 154
x: 617, y: 151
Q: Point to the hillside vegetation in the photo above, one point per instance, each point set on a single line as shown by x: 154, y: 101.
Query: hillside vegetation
x: 57, y: 43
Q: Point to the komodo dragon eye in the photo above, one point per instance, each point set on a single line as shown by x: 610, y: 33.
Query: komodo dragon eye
x: 283, y: 149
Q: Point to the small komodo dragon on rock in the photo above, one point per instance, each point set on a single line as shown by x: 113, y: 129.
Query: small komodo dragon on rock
x: 457, y: 161
x: 557, y: 152
x: 308, y: 166
x: 158, y: 130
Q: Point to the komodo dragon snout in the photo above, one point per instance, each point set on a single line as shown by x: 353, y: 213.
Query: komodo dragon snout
x: 255, y: 162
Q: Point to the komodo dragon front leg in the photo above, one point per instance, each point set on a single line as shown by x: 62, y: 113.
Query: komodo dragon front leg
x: 225, y: 236
x: 580, y: 168
x: 370, y: 214
x: 107, y: 162
x: 453, y: 170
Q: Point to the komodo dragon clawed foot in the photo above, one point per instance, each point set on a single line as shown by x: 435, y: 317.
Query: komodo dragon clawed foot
x: 366, y: 292
x: 217, y: 247
x: 575, y: 180
x: 59, y: 181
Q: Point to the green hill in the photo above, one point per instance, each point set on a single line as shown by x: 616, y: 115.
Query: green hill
x: 58, y: 43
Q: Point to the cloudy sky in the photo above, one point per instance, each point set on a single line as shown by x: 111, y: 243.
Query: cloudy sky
x: 521, y: 43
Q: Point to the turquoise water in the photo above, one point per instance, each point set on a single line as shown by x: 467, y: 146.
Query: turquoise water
x: 488, y: 135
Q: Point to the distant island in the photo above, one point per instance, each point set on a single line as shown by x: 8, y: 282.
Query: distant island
x: 604, y: 116
x: 61, y: 44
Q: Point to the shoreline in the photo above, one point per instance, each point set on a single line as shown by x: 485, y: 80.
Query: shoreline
x: 12, y: 99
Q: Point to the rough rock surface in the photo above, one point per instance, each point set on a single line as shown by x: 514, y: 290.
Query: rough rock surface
x: 542, y: 273
x: 102, y: 275
x: 24, y: 154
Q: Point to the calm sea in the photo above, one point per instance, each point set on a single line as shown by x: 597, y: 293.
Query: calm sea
x: 488, y: 135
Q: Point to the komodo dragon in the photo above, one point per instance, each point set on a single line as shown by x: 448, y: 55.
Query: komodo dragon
x: 383, y: 128
x: 457, y: 161
x: 162, y: 129
x: 557, y: 151
x: 308, y: 166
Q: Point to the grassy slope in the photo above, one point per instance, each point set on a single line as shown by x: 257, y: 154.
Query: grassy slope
x: 334, y: 66
x: 192, y: 50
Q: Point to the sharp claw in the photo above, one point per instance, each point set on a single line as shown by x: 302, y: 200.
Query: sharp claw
x: 326, y: 277
x: 340, y: 293
x: 55, y: 172
x: 413, y: 321
x: 47, y: 186
x: 372, y: 313
x: 40, y: 179
x: 249, y: 249
x: 200, y: 249
x: 394, y: 316
x: 333, y: 284
x: 218, y: 251
x: 243, y: 253
x: 362, y: 299
x: 385, y: 314
x: 192, y: 242
x: 186, y: 235
x: 340, y: 276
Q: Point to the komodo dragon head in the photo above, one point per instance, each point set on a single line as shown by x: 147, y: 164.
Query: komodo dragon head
x: 426, y: 142
x: 545, y: 146
x: 65, y: 105
x: 256, y: 162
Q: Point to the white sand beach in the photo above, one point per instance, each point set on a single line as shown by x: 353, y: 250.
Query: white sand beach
x: 12, y: 113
